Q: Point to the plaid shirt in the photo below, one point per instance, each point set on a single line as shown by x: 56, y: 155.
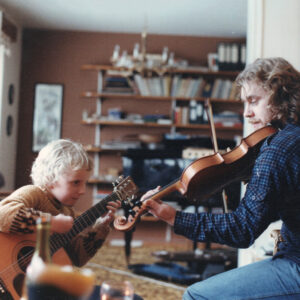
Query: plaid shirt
x: 272, y: 193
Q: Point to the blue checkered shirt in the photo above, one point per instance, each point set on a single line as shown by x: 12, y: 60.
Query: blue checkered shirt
x: 272, y: 193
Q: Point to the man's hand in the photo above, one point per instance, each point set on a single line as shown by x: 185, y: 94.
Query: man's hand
x: 159, y: 209
x: 61, y: 223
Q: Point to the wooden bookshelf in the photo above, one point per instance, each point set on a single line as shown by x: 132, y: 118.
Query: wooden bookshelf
x: 100, y: 121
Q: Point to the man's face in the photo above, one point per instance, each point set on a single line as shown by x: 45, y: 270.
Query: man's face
x: 70, y: 186
x: 256, y: 104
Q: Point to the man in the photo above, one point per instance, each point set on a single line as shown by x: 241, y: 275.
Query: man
x: 270, y: 90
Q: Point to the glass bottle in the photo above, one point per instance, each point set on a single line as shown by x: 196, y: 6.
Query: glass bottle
x: 42, y: 248
x: 40, y: 258
x: 47, y: 280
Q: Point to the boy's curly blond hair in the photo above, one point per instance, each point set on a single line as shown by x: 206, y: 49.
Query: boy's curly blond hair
x: 57, y: 158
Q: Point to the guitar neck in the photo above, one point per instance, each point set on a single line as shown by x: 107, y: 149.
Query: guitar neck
x: 88, y: 218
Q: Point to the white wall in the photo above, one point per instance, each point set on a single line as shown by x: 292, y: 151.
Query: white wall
x: 273, y: 29
x: 10, y: 62
x: 282, y: 30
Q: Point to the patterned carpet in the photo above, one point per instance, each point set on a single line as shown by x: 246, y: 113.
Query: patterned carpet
x: 110, y: 263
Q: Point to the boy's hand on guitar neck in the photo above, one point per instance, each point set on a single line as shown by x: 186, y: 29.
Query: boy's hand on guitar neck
x: 109, y: 216
x: 61, y: 223
x: 158, y: 208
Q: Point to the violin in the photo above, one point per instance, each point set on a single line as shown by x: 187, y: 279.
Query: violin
x: 205, y: 176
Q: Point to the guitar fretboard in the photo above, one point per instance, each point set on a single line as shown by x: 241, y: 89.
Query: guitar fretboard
x: 88, y: 218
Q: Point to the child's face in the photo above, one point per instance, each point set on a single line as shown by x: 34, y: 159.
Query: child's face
x: 70, y: 186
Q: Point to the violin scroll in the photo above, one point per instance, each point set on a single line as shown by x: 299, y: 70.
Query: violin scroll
x: 132, y: 213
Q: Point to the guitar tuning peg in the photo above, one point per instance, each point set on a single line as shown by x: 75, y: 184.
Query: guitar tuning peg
x: 118, y: 180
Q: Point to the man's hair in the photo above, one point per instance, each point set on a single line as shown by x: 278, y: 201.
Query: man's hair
x: 57, y: 158
x: 283, y: 81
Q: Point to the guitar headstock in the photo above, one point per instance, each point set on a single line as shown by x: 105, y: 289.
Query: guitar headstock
x: 126, y: 190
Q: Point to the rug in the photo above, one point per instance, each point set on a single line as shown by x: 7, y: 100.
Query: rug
x: 110, y: 263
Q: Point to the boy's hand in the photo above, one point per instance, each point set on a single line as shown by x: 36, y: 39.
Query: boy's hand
x: 107, y: 218
x: 61, y: 223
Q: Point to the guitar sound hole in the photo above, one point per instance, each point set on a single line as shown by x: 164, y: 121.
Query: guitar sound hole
x: 24, y: 257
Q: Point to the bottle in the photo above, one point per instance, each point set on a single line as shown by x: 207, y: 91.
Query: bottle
x: 47, y: 280
x: 193, y: 112
x: 221, y: 56
x: 40, y: 259
x: 42, y: 248
x: 200, y: 112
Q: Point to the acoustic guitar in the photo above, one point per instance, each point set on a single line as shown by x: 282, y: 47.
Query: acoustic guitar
x: 16, y: 250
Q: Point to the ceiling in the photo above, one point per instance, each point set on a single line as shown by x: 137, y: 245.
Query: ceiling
x: 226, y: 18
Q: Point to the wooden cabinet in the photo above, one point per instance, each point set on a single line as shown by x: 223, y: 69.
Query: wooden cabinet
x: 121, y: 113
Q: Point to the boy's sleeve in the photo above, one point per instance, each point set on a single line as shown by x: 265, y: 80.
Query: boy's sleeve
x: 85, y: 245
x: 18, y: 213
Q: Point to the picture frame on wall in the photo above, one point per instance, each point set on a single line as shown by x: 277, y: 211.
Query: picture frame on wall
x: 47, y: 115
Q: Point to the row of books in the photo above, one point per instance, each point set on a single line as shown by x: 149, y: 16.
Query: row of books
x: 196, y: 114
x: 117, y: 84
x: 185, y: 87
x: 231, y: 56
x: 176, y: 86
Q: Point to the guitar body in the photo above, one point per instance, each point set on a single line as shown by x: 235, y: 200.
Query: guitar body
x: 16, y: 250
x: 15, y: 253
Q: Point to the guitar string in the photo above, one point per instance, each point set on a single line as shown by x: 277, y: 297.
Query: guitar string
x: 79, y: 221
x: 25, y: 259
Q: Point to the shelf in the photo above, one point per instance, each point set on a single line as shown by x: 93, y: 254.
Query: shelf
x: 96, y: 149
x: 123, y: 96
x: 136, y: 100
x: 124, y: 123
x: 155, y: 98
x: 101, y: 181
x: 237, y: 127
x: 188, y: 70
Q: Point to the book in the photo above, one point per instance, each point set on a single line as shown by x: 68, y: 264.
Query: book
x: 216, y: 87
x: 142, y: 85
x: 233, y: 92
x: 207, y: 89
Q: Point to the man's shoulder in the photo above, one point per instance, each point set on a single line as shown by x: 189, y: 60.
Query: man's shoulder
x: 285, y: 141
x: 288, y: 136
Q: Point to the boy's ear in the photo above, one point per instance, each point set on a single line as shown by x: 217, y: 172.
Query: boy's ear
x: 50, y: 185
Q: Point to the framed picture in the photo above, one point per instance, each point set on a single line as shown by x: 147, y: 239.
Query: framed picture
x: 47, y: 115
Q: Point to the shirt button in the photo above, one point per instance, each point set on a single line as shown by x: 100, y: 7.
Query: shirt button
x: 253, y: 197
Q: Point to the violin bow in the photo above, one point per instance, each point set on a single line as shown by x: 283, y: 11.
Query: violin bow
x: 210, y: 117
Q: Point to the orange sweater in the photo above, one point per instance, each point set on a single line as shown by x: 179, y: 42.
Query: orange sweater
x: 19, y: 211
